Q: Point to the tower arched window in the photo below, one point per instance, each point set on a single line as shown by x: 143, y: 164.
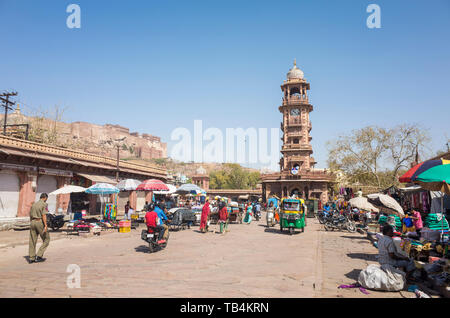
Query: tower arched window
x: 295, y: 91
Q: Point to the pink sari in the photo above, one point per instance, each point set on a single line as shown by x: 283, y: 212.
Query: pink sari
x: 204, y: 218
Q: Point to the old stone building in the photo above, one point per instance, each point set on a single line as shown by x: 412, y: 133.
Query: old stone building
x: 94, y: 138
x: 28, y: 169
x: 297, y: 174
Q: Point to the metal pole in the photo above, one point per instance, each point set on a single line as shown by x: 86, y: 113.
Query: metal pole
x: 117, y: 172
x: 6, y: 114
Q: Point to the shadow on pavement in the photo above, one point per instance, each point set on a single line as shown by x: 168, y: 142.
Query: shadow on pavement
x: 364, y: 256
x: 353, y: 275
x: 142, y: 249
x: 277, y: 231
x: 356, y: 237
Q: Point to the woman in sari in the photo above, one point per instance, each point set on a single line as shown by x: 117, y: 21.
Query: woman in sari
x: 248, y: 215
x: 204, y: 218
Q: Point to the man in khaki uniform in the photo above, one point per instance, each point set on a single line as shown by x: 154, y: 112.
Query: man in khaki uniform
x: 38, y: 226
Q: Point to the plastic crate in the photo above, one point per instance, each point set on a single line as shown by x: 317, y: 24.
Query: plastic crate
x: 124, y: 229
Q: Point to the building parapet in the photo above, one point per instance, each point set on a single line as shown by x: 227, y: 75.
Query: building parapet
x: 74, y: 154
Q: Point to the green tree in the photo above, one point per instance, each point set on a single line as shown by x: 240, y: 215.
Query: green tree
x: 233, y: 176
x: 374, y: 155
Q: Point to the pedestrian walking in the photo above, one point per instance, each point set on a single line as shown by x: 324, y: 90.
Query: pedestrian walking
x: 38, y: 227
x: 204, y: 218
x: 223, y: 218
x: 248, y: 215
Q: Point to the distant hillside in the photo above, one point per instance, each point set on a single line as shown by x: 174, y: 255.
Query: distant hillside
x: 188, y: 169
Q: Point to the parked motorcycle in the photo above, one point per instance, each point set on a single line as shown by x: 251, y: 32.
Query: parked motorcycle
x: 55, y: 222
x: 339, y: 222
x: 151, y: 237
x: 270, y: 217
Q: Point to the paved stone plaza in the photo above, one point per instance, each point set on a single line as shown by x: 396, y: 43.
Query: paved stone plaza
x: 249, y: 261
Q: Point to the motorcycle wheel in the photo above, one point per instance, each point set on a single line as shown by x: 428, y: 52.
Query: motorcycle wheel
x: 351, y: 227
x: 328, y: 227
x: 150, y: 247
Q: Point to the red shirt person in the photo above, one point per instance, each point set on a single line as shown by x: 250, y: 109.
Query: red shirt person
x: 152, y: 221
x: 223, y: 214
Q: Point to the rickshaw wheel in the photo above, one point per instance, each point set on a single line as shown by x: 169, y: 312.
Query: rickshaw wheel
x: 291, y: 230
x: 303, y: 229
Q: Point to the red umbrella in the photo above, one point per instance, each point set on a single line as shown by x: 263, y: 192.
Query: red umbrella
x: 152, y: 185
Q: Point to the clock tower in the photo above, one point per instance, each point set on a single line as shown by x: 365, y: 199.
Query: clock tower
x: 297, y: 176
x: 295, y: 108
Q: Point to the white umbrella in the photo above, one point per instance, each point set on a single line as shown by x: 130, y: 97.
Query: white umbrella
x: 128, y: 184
x: 363, y: 204
x: 68, y: 189
x: 172, y: 189
x: 188, y: 188
x: 383, y: 200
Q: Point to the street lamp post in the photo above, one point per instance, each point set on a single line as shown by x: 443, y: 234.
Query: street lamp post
x: 117, y: 167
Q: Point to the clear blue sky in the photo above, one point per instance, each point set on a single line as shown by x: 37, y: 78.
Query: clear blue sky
x: 153, y: 66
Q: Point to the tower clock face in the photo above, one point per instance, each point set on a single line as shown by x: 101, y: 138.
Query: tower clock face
x: 295, y: 112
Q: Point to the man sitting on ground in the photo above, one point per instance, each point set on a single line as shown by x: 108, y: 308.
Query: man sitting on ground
x: 152, y: 221
x: 388, y: 255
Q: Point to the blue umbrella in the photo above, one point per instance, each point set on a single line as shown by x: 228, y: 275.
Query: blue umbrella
x: 102, y: 188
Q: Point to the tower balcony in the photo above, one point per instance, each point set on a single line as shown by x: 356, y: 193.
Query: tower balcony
x: 295, y: 158
x: 295, y: 100
x: 294, y: 134
x: 296, y: 147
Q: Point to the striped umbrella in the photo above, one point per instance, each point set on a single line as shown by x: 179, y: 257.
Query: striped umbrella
x: 102, y: 188
x: 412, y: 174
x: 152, y: 185
x: 436, y: 178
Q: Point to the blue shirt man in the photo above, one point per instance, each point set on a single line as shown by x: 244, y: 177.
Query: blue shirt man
x: 161, y: 214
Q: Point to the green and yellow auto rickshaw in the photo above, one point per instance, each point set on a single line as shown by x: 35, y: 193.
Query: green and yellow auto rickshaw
x: 292, y: 215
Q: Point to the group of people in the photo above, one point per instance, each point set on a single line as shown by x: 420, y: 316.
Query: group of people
x: 223, y: 216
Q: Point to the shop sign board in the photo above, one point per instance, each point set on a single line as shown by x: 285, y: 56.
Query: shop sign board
x: 54, y: 172
x: 11, y: 166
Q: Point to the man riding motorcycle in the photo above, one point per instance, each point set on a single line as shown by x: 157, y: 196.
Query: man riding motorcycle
x: 152, y: 221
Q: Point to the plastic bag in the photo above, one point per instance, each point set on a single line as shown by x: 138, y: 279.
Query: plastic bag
x: 385, y: 277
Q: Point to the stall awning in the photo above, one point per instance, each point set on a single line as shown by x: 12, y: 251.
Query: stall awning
x: 97, y: 179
